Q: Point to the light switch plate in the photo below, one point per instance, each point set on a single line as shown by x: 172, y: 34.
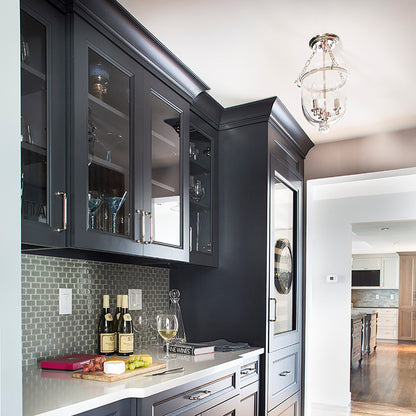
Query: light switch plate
x: 135, y: 299
x: 65, y: 301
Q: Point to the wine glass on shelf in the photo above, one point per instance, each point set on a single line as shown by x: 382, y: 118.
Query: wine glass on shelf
x: 167, y: 327
x: 115, y: 203
x: 196, y: 191
x: 111, y: 141
x: 94, y: 204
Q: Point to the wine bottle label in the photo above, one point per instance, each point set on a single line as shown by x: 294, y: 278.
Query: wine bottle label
x: 108, y: 317
x: 106, y: 343
x: 125, y: 343
x: 127, y: 317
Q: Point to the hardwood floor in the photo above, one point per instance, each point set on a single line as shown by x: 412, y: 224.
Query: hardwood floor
x: 388, y: 376
x: 385, y: 385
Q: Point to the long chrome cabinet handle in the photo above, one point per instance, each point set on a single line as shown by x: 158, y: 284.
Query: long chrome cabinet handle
x: 142, y: 230
x: 270, y: 309
x: 64, y: 211
x: 149, y: 214
x: 202, y: 395
x: 285, y: 373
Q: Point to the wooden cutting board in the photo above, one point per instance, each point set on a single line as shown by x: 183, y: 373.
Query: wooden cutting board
x: 100, y: 376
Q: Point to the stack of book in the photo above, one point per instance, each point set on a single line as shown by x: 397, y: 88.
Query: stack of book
x: 191, y: 348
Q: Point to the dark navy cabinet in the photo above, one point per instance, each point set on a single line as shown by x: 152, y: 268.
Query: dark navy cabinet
x: 126, y: 407
x: 255, y: 294
x: 129, y: 154
x: 43, y: 160
x: 105, y: 135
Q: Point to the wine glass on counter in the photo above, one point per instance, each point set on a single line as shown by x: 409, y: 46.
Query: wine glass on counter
x: 167, y: 327
x: 140, y: 324
x: 115, y: 203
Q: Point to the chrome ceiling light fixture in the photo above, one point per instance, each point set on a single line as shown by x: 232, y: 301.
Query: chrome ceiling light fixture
x: 322, y: 82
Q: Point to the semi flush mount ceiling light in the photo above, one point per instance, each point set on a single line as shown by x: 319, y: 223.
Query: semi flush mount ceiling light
x: 322, y: 82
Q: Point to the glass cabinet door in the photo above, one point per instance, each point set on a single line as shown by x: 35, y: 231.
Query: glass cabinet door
x: 163, y: 219
x: 108, y: 146
x: 42, y: 127
x: 107, y: 186
x: 284, y: 282
x: 201, y: 193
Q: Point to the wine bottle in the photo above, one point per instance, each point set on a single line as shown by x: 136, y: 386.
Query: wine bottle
x: 116, y: 319
x: 125, y: 329
x: 106, y: 335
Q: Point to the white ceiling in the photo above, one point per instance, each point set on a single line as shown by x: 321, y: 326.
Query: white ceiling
x: 384, y: 237
x: 247, y: 50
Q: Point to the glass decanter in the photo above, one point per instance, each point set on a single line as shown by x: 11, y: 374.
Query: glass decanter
x: 175, y: 308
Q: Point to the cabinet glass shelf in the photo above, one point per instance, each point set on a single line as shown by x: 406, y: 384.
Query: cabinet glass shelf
x: 32, y: 80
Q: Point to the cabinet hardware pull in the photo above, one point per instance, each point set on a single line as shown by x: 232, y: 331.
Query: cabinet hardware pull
x: 285, y: 373
x: 247, y: 371
x: 202, y: 395
x: 150, y: 215
x: 64, y: 211
x: 270, y: 309
x: 141, y: 238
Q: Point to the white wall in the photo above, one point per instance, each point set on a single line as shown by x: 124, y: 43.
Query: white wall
x: 332, y: 206
x: 10, y: 330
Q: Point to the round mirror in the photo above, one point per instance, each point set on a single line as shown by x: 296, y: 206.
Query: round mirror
x: 283, y: 270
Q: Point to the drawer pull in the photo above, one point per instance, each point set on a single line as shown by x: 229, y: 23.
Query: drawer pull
x: 285, y: 373
x: 247, y: 371
x: 201, y: 395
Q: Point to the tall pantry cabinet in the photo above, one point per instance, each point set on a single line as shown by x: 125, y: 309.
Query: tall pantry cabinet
x: 255, y: 294
x: 407, y: 297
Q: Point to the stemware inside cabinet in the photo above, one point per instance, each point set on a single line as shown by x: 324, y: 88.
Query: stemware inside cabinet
x: 43, y: 158
x: 201, y: 193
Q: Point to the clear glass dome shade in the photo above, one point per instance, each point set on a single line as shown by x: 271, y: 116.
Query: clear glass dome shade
x: 323, y: 95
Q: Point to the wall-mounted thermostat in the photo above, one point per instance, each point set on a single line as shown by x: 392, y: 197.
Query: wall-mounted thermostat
x: 332, y: 278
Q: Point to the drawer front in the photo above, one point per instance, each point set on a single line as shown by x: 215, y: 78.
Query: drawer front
x: 291, y: 407
x: 387, y: 333
x: 198, y: 399
x: 249, y: 373
x: 284, y: 374
x: 387, y: 313
x: 249, y: 400
x: 228, y: 408
x: 387, y: 321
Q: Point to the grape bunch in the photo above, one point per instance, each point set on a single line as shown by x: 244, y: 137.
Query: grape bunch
x: 95, y: 364
x: 135, y: 362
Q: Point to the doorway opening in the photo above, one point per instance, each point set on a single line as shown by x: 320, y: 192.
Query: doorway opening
x: 382, y: 356
x: 333, y: 205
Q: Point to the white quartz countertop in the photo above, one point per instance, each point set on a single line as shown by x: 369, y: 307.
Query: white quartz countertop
x: 52, y: 392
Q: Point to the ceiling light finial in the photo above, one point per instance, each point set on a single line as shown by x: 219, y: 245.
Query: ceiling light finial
x: 323, y: 84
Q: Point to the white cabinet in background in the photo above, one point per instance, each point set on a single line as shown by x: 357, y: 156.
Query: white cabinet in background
x: 387, y: 324
x: 366, y: 263
x: 388, y: 264
x: 390, y: 272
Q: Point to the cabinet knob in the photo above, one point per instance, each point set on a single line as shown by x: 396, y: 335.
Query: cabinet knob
x: 285, y: 373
